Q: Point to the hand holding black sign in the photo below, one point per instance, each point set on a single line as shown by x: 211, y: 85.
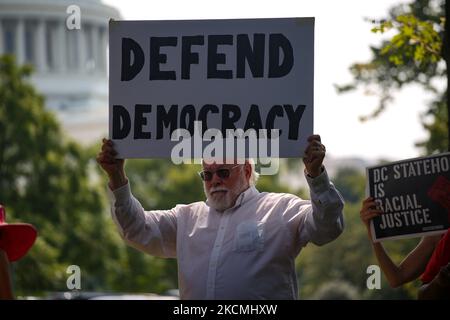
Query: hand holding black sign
x: 410, y: 198
x: 369, y: 211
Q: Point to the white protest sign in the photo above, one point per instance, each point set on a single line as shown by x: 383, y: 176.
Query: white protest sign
x: 226, y: 75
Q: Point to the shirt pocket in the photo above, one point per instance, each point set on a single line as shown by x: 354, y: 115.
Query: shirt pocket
x: 249, y: 236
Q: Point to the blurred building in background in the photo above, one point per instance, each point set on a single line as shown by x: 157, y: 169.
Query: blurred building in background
x: 70, y: 65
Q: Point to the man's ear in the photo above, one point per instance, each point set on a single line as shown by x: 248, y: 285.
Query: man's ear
x: 247, y: 170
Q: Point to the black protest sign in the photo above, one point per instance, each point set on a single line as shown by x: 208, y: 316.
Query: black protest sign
x: 194, y: 76
x: 414, y: 195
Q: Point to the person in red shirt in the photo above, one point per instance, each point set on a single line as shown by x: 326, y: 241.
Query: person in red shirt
x: 6, y: 291
x: 15, y: 241
x: 436, y: 278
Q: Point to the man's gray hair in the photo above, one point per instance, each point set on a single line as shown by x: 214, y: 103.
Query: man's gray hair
x: 255, y: 175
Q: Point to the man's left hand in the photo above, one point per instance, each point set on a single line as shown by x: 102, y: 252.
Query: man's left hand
x: 314, y: 155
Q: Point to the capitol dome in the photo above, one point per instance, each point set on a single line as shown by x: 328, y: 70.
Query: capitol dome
x: 70, y: 63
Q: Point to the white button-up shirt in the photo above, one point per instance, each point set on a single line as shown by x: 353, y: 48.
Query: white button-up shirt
x: 245, y: 252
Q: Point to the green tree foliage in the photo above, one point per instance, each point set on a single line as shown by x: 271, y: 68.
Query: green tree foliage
x: 412, y: 55
x: 44, y: 180
x: 350, y: 183
x: 336, y: 290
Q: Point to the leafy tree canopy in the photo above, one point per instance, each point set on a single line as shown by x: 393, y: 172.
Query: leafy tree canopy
x: 412, y: 54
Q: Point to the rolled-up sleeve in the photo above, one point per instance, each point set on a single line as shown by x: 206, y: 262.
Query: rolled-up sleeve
x: 153, y: 232
x: 324, y: 222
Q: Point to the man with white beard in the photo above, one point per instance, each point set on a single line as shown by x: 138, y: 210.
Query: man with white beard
x: 240, y: 243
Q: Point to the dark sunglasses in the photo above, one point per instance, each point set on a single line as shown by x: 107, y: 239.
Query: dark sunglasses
x: 223, y: 173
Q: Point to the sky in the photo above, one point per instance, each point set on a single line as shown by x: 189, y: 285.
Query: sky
x: 342, y: 37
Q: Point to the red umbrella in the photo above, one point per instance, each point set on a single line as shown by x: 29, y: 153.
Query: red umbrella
x: 15, y: 238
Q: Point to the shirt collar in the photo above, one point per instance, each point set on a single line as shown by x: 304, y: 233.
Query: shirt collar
x: 245, y: 196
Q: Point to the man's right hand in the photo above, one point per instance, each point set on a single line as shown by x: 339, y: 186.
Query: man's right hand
x: 113, y: 167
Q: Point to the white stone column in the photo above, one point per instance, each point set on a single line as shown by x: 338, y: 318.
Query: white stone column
x: 2, y: 49
x: 41, y: 47
x: 60, y: 45
x: 20, y: 41
x: 81, y: 49
x: 72, y: 49
x: 102, y: 49
x: 95, y: 46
